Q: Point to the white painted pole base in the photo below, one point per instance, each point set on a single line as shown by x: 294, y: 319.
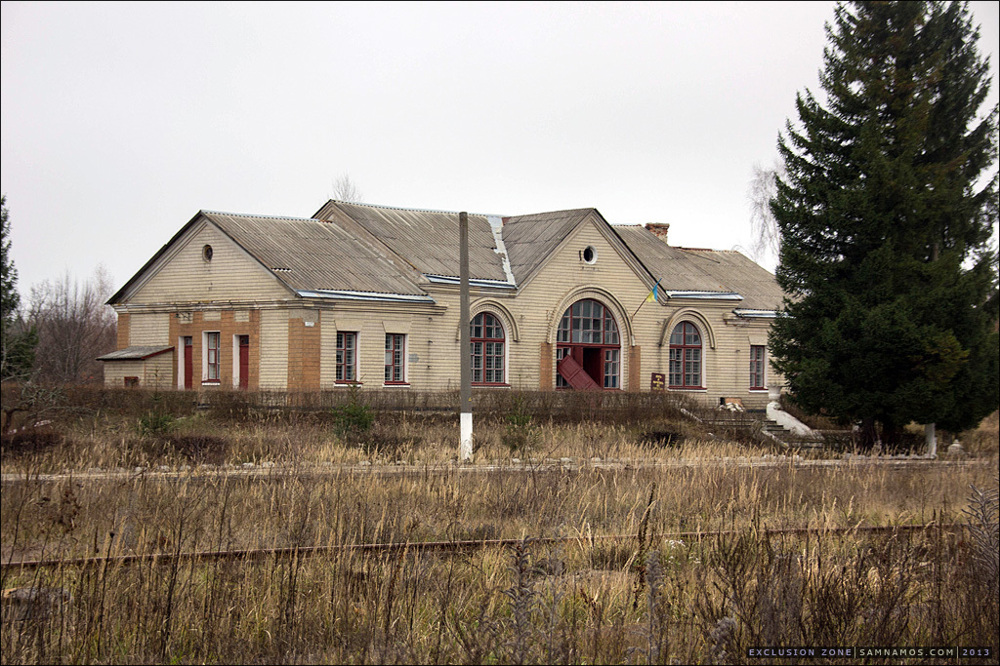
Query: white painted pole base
x: 465, y: 436
x: 931, y: 438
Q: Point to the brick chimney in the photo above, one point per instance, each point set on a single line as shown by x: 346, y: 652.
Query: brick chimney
x: 659, y: 229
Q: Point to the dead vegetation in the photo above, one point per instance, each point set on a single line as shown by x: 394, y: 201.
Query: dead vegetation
x: 649, y: 598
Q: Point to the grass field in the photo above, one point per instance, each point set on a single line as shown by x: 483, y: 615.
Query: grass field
x: 647, y: 596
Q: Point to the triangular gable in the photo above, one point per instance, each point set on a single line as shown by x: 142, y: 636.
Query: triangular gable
x: 238, y: 276
x: 534, y: 240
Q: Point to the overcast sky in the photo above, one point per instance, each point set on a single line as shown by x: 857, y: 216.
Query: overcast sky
x: 121, y: 121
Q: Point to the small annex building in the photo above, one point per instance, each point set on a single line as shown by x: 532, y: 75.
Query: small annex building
x: 369, y: 295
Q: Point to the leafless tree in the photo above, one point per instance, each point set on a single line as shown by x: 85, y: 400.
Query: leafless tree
x: 765, y: 237
x: 344, y: 189
x: 74, y: 327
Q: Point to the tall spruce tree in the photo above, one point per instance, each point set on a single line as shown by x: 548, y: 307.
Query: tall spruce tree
x: 17, y: 342
x: 885, y: 211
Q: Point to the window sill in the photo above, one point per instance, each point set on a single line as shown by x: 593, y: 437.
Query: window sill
x: 347, y: 382
x: 758, y: 390
x: 485, y: 385
x: 211, y: 382
x: 689, y: 389
x: 390, y: 384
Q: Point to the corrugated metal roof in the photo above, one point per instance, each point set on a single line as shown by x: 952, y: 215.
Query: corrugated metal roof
x: 706, y: 271
x: 135, y: 353
x: 530, y: 239
x: 312, y: 255
x: 427, y: 239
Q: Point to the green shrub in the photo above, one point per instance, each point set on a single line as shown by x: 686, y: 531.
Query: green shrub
x: 353, y: 420
x: 155, y: 424
x: 520, y: 433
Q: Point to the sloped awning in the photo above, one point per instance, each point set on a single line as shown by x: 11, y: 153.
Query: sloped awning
x: 136, y: 353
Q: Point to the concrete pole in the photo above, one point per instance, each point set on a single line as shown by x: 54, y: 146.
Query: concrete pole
x: 465, y: 394
x: 931, y: 438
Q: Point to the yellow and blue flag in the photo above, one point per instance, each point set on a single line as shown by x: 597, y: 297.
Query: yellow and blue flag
x: 653, y: 294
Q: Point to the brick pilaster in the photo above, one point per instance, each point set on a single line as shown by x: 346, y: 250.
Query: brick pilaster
x: 634, y: 368
x: 546, y: 380
x: 124, y: 329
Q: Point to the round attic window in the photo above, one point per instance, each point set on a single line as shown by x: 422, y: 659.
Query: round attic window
x: 589, y: 255
x: 206, y: 253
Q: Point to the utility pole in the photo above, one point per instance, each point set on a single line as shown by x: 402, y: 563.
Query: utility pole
x: 465, y: 394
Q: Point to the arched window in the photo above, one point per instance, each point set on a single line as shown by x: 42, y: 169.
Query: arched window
x: 685, y: 356
x: 487, y: 343
x: 589, y: 334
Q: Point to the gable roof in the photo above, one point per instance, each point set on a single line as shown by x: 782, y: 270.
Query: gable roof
x: 312, y: 255
x: 531, y: 239
x: 308, y: 256
x: 426, y: 239
x: 353, y: 251
x: 709, y: 272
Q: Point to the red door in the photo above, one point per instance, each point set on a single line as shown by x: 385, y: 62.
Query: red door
x: 188, y: 362
x: 244, y: 361
x: 575, y: 375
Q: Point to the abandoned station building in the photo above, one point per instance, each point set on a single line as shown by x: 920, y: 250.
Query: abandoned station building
x: 369, y: 295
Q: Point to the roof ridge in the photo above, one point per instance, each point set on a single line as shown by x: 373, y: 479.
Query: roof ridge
x: 409, y: 209
x: 263, y: 217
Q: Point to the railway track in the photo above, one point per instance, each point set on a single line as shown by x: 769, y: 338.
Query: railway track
x: 446, y: 547
x: 275, y: 472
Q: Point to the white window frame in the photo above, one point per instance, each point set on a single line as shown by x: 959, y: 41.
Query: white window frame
x: 204, y: 357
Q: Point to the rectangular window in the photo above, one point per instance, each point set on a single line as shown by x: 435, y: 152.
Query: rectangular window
x: 610, y: 368
x: 212, y: 361
x: 347, y: 356
x: 692, y: 367
x: 395, y: 347
x: 676, y: 376
x: 477, y: 362
x: 757, y: 379
x: 561, y: 353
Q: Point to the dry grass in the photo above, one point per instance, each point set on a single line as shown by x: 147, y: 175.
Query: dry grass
x: 646, y: 599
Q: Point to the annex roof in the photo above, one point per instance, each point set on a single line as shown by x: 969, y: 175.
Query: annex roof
x: 696, y: 272
x: 135, y: 353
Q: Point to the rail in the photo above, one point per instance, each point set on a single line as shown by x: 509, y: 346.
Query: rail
x: 445, y: 547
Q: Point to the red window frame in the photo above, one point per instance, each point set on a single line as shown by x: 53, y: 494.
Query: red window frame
x: 686, y: 357
x: 213, y: 357
x: 347, y: 357
x: 487, y: 347
x: 395, y: 358
x: 757, y: 379
x: 590, y: 324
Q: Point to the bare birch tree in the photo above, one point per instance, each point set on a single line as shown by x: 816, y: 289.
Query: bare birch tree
x: 765, y: 244
x: 344, y: 189
x: 74, y: 327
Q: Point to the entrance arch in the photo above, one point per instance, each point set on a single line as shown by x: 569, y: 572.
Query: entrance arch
x: 588, y: 347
